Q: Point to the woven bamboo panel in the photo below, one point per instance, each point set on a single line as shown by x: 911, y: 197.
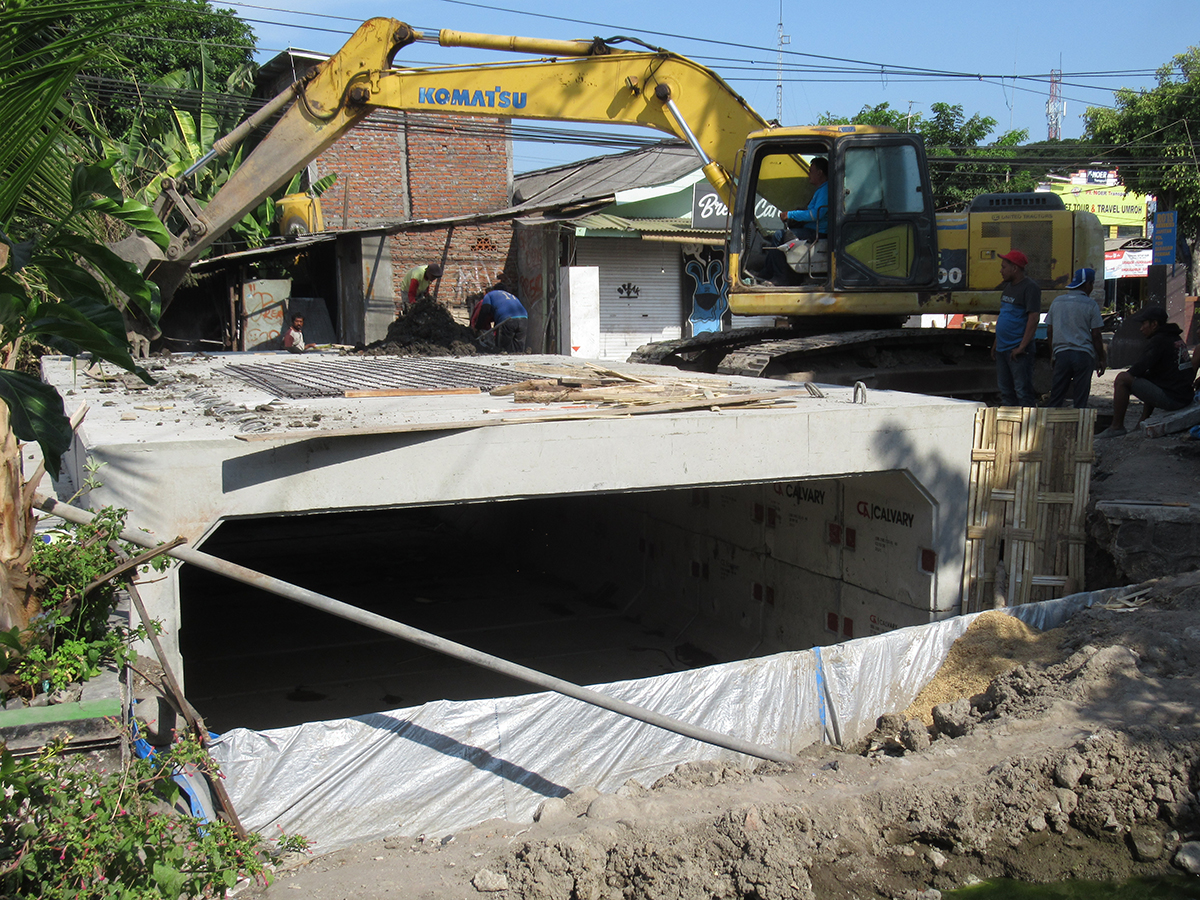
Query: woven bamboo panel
x: 1031, y: 471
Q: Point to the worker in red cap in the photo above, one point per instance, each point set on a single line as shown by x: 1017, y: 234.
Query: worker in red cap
x: 1013, y: 348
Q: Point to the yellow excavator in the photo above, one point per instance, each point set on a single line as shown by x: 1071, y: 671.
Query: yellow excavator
x: 886, y: 256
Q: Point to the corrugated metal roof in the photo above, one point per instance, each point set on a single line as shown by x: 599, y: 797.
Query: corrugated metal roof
x: 559, y: 194
x: 600, y: 178
x: 606, y: 224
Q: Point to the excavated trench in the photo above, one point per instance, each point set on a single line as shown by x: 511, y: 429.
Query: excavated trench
x: 487, y: 576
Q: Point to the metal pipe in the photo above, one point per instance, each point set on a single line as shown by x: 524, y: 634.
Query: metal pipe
x: 423, y: 638
x: 513, y: 44
x: 223, y: 146
x: 713, y: 170
x: 663, y: 92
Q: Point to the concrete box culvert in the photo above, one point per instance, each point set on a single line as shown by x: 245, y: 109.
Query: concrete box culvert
x: 805, y: 521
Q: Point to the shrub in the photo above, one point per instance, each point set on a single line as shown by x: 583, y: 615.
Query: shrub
x: 70, y: 832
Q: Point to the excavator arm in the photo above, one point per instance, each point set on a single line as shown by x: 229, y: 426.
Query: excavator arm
x: 572, y: 81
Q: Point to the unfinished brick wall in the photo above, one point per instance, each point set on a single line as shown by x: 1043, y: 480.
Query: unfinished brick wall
x: 409, y: 166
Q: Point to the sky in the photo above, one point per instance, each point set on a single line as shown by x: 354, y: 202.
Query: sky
x: 993, y: 59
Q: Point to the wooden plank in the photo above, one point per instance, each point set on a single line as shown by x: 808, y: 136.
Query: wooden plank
x: 766, y: 400
x: 621, y: 375
x: 531, y: 384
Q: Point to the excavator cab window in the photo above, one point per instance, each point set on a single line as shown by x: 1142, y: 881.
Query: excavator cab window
x: 881, y: 226
x: 885, y: 234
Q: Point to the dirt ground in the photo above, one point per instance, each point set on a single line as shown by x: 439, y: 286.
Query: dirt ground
x: 1039, y: 757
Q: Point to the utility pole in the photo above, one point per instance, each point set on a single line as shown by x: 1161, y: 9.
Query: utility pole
x: 784, y: 40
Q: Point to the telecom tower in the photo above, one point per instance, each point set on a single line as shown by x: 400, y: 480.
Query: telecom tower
x: 1055, y: 107
x: 784, y: 40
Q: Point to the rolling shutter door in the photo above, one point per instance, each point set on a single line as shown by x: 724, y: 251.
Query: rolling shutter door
x: 641, y: 292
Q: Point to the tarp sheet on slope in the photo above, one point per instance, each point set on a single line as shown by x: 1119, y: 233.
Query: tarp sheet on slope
x: 440, y: 767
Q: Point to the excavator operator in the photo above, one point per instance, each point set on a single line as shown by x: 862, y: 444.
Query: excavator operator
x: 813, y: 220
x: 809, y: 224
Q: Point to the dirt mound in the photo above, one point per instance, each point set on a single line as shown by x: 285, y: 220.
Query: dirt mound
x: 426, y: 329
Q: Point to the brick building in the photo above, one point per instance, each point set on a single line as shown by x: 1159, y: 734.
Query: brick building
x: 407, y: 167
x: 399, y: 167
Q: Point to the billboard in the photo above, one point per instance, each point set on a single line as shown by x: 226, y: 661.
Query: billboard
x: 1112, y: 204
x: 1126, y: 263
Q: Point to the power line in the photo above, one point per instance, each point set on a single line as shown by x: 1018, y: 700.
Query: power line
x: 870, y: 70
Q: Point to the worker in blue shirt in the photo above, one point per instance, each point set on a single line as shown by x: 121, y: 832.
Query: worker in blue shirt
x: 500, y: 311
x: 813, y: 220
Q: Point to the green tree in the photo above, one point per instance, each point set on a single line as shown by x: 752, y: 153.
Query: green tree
x: 58, y: 280
x: 162, y: 37
x: 961, y: 167
x: 879, y: 114
x: 1149, y: 136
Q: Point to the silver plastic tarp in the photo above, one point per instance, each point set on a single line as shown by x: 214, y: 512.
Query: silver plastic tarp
x: 438, y: 768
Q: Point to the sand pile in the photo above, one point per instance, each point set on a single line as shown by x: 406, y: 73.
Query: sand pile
x: 994, y: 643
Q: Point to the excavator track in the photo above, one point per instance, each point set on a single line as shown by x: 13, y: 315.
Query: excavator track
x: 947, y: 362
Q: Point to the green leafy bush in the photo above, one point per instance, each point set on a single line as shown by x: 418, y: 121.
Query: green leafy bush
x: 72, y: 639
x: 69, y: 832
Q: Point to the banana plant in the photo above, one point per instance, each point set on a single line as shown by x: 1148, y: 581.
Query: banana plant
x: 58, y: 289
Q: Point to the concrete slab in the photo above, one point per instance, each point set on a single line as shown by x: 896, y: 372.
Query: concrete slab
x: 1164, y: 423
x: 877, y: 489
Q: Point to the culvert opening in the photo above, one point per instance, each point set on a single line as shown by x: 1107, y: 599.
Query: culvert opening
x: 590, y: 589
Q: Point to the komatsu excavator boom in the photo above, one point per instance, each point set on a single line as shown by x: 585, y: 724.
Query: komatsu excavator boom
x: 885, y: 256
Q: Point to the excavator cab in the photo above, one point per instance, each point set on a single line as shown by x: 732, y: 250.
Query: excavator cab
x: 881, y: 232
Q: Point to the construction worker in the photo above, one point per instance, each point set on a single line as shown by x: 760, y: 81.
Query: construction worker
x: 1161, y: 377
x: 293, y: 338
x: 1013, y: 347
x: 500, y: 311
x: 1073, y: 328
x: 419, y: 280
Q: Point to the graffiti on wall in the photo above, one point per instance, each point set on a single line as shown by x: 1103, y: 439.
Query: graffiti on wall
x: 264, y: 302
x: 709, y: 309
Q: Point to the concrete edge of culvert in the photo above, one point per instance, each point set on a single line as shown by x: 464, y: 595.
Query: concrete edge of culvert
x: 444, y: 766
x: 87, y: 717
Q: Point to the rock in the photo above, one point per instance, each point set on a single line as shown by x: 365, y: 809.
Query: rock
x: 1187, y: 857
x: 486, y: 881
x: 553, y: 809
x: 581, y: 799
x: 1037, y: 822
x: 632, y: 789
x: 1068, y: 800
x: 70, y: 694
x: 1068, y: 771
x: 889, y: 723
x: 753, y: 821
x: 1146, y: 842
x: 937, y: 857
x: 610, y: 806
x: 914, y: 735
x: 953, y: 719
